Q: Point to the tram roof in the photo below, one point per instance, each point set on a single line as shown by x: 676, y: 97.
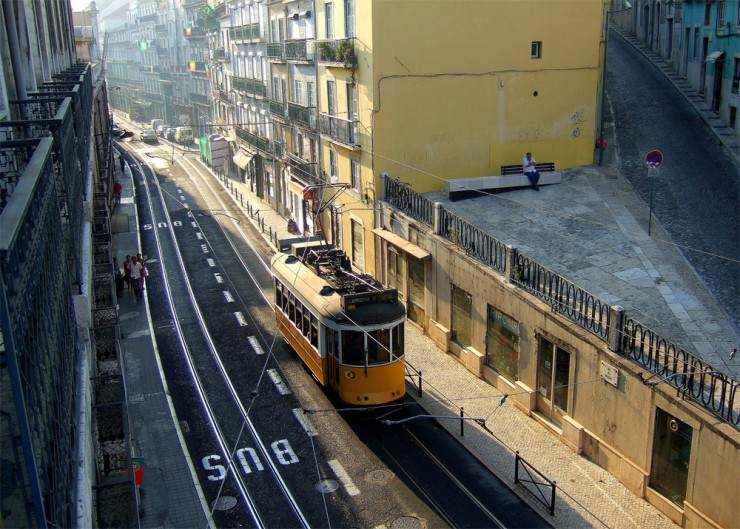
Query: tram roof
x: 342, y: 305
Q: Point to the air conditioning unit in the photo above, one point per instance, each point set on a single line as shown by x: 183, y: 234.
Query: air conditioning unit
x: 305, y: 14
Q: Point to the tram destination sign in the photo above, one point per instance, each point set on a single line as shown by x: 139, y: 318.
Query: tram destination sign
x: 351, y: 301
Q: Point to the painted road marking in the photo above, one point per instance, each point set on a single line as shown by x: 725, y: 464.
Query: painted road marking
x: 228, y: 296
x: 147, y: 226
x: 216, y: 472
x: 240, y: 318
x: 211, y: 262
x: 199, y: 235
x: 204, y: 247
x: 343, y: 477
x: 185, y: 204
x: 218, y: 277
x: 256, y: 345
x: 177, y: 223
x: 190, y: 214
x: 279, y: 384
x: 303, y: 420
x: 194, y: 224
x: 161, y: 224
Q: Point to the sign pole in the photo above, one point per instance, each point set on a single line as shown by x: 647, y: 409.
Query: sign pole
x: 653, y: 160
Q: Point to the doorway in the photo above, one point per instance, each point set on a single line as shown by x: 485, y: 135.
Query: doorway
x: 703, y: 72
x: 553, y: 381
x: 719, y: 70
x: 671, y: 456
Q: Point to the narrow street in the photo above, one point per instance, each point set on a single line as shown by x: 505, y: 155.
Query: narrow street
x: 696, y: 196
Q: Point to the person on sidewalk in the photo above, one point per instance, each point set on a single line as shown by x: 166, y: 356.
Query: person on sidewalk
x: 117, y: 190
x: 127, y: 274
x: 118, y: 277
x: 135, y: 268
x: 530, y: 169
x: 143, y: 272
x: 123, y: 163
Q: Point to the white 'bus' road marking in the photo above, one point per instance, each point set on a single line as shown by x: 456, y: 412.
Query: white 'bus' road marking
x: 190, y: 214
x: 211, y: 262
x: 303, y: 420
x: 279, y: 384
x: 228, y: 296
x: 218, y: 277
x: 182, y: 197
x: 240, y: 318
x: 205, y: 248
x: 256, y: 345
x: 194, y: 224
x: 161, y: 224
x: 185, y: 205
x: 198, y: 235
x: 342, y: 476
x: 147, y: 226
x: 177, y: 223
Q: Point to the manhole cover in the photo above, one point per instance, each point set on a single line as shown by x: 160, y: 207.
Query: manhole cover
x: 327, y: 486
x: 407, y: 522
x: 379, y: 476
x: 224, y: 503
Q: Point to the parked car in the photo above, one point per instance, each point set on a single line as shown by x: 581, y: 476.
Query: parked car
x: 148, y: 136
x: 161, y: 130
x: 170, y: 134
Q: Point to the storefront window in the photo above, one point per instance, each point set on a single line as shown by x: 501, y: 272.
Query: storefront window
x: 358, y: 246
x: 502, y: 344
x: 671, y: 456
x: 416, y: 290
x: 394, y: 270
x: 462, y: 304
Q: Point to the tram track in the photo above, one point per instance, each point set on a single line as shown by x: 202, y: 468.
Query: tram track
x: 227, y: 416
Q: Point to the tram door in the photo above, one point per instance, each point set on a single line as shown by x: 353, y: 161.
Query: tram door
x: 332, y: 357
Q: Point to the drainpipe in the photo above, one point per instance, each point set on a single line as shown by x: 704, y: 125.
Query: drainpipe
x: 15, y: 53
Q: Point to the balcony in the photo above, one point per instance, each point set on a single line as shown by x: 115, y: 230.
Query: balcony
x: 223, y: 97
x: 275, y: 51
x: 199, y: 99
x: 261, y: 143
x: 300, y: 168
x: 299, y: 50
x: 194, y: 33
x: 252, y: 86
x: 279, y: 149
x: 221, y: 54
x: 303, y: 115
x: 341, y: 130
x: 246, y: 32
x: 278, y: 109
x: 160, y: 28
x: 339, y: 52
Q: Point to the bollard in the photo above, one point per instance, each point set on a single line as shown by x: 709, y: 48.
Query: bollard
x: 420, y: 381
x: 462, y: 421
x: 242, y: 200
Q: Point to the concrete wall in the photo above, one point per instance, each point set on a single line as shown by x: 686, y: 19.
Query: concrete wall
x: 609, y: 419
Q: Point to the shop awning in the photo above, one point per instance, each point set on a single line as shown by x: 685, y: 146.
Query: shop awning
x: 296, y: 188
x: 401, y: 243
x: 242, y: 159
x: 712, y: 57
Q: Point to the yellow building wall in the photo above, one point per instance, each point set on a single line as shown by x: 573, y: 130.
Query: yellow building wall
x: 456, y: 93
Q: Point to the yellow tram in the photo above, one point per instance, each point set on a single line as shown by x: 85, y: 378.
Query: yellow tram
x: 346, y: 327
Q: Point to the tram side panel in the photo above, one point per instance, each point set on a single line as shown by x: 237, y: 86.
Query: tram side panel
x: 302, y: 346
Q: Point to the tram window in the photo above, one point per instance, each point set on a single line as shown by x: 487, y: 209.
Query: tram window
x: 332, y: 346
x: 306, y: 324
x: 278, y: 294
x: 353, y: 348
x: 378, y: 346
x: 314, y: 331
x: 291, y: 307
x: 398, y: 341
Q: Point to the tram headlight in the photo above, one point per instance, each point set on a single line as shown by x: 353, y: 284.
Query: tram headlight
x: 349, y: 374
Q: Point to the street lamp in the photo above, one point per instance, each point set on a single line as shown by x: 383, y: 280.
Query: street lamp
x: 627, y: 7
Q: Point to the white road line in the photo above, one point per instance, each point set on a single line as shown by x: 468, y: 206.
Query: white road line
x: 204, y: 247
x: 199, y: 235
x: 218, y: 277
x: 228, y: 296
x: 343, y: 477
x: 279, y: 384
x: 194, y: 224
x: 185, y: 204
x: 256, y: 345
x: 303, y: 420
x: 211, y: 262
x: 240, y: 318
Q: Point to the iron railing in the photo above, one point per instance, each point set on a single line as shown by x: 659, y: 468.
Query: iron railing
x: 275, y: 51
x: 695, y: 380
x: 304, y: 170
x: 299, y: 50
x: 247, y: 84
x: 39, y: 336
x: 341, y: 130
x: 301, y: 114
x: 261, y: 143
x: 339, y: 52
x: 246, y: 32
x: 278, y: 109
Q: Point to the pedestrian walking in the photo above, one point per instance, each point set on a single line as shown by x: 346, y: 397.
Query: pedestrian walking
x: 143, y: 273
x: 123, y: 163
x: 117, y: 190
x: 127, y: 274
x: 118, y: 278
x: 135, y: 268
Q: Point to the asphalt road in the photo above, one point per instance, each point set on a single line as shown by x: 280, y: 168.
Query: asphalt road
x: 696, y: 196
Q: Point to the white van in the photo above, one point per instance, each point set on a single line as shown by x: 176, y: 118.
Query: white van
x: 156, y: 123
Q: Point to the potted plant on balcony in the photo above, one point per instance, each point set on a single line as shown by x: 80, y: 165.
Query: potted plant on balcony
x: 346, y: 53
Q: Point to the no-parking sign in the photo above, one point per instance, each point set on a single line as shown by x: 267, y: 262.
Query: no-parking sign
x: 653, y: 159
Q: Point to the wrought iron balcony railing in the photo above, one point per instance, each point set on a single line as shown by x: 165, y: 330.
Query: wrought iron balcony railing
x: 246, y: 32
x: 302, y: 115
x: 278, y: 109
x: 261, y: 143
x: 194, y: 33
x: 302, y: 169
x: 299, y: 50
x: 341, y: 130
x: 221, y: 54
x: 275, y: 51
x: 247, y: 84
x: 200, y: 99
x: 339, y: 52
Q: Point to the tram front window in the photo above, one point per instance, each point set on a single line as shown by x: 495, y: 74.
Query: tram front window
x: 353, y: 348
x: 379, y: 347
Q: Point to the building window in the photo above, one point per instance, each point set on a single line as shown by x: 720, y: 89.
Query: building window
x: 537, y: 50
x: 329, y: 11
x: 311, y: 93
x: 553, y: 380
x: 671, y: 456
x: 735, y: 76
x: 395, y: 265
x: 333, y: 164
x: 721, y: 15
x: 502, y: 344
x: 707, y: 14
x: 298, y: 92
x: 349, y: 18
x: 697, y: 33
x: 416, y: 290
x: 354, y: 174
x: 331, y: 97
x: 358, y: 244
x: 462, y: 306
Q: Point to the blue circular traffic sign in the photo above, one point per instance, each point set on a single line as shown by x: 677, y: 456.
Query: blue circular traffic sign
x: 653, y: 159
